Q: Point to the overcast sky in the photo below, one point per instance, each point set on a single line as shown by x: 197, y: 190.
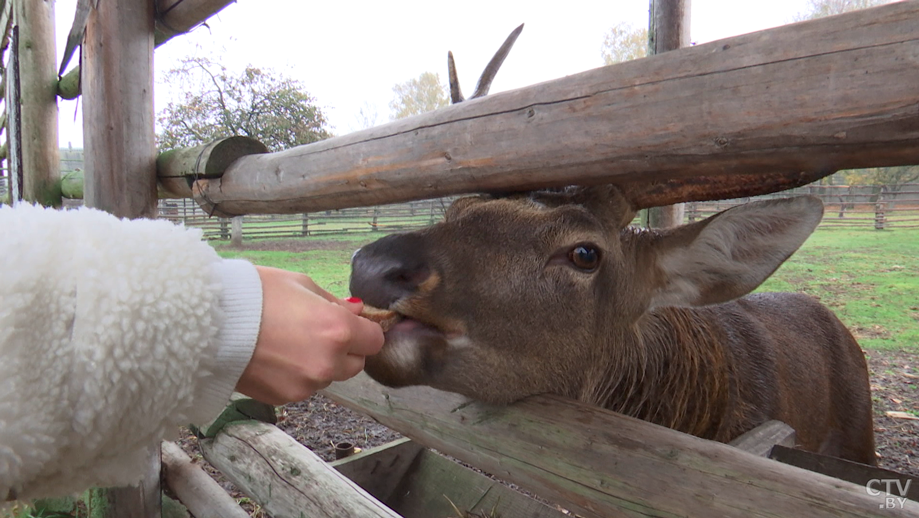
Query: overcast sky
x: 349, y: 55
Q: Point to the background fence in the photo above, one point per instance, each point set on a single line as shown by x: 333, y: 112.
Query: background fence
x: 862, y: 206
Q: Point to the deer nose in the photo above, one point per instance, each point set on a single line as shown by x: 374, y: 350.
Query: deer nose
x: 388, y: 270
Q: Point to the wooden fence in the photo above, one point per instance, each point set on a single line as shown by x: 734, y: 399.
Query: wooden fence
x: 387, y: 218
x: 847, y: 207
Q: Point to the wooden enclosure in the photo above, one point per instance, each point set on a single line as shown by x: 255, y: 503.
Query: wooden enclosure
x: 771, y: 110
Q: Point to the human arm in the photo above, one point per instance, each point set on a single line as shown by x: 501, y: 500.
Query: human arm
x: 112, y: 333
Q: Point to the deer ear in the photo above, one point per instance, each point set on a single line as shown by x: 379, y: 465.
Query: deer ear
x: 731, y: 253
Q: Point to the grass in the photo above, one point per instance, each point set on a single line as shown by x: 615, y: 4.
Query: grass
x: 869, y: 278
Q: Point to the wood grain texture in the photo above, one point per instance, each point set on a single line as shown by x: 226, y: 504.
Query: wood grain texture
x: 119, y: 148
x: 197, y: 491
x: 670, y: 22
x: 284, y: 477
x: 760, y: 440
x: 817, y: 96
x: 597, y: 463
x: 418, y: 483
x: 38, y: 102
x: 174, y: 17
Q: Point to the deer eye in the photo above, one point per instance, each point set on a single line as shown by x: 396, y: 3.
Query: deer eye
x: 584, y: 257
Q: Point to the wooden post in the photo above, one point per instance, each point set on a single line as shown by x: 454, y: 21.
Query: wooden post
x: 236, y: 231
x: 669, y: 30
x: 174, y: 17
x: 38, y: 101
x: 120, y: 153
x: 13, y: 124
x: 120, y: 162
x: 305, y: 228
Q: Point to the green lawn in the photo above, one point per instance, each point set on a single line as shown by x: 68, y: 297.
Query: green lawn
x: 869, y: 278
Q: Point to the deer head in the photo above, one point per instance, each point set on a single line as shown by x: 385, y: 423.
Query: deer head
x: 541, y: 292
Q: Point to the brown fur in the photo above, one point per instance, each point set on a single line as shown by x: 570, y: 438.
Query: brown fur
x: 506, y: 315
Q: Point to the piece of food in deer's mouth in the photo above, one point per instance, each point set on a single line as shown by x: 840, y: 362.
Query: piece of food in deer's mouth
x: 384, y: 317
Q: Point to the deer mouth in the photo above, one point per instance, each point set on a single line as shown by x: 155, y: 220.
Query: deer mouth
x: 396, y: 324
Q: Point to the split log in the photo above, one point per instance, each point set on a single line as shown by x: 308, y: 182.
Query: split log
x: 197, y: 491
x: 284, y: 477
x: 597, y: 463
x: 177, y: 169
x: 796, y: 102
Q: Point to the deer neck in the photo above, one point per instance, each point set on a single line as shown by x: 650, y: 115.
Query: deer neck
x: 672, y: 369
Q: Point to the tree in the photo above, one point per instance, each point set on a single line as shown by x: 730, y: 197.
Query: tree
x: 623, y: 42
x: 893, y: 178
x: 422, y: 94
x: 256, y: 103
x: 820, y: 8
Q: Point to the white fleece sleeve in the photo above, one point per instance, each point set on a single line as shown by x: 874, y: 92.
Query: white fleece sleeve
x: 112, y: 333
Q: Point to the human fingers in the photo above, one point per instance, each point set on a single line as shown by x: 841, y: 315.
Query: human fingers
x: 364, y: 337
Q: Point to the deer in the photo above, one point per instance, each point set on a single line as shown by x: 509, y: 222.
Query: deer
x: 552, y: 291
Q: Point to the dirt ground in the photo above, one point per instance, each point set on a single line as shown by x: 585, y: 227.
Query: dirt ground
x: 320, y: 423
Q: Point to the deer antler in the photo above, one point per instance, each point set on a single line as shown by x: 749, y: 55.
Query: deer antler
x: 488, y: 75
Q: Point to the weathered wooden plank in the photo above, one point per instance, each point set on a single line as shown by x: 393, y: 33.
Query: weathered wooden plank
x: 197, y: 491
x: 760, y: 440
x: 379, y: 470
x: 38, y: 102
x: 284, y: 477
x: 597, y: 463
x: 120, y: 152
x: 416, y: 482
x: 816, y: 96
x: 871, y: 478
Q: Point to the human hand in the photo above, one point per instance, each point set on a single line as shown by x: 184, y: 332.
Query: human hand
x: 308, y: 339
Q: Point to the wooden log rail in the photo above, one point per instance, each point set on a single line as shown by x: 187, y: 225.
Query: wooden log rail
x: 597, y: 463
x: 813, y: 97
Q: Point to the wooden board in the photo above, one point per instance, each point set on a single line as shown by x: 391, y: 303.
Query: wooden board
x: 816, y: 96
x: 597, y: 463
x: 871, y: 478
x: 761, y: 440
x: 418, y: 483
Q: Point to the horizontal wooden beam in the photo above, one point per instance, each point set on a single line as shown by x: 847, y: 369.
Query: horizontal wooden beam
x: 808, y: 98
x: 597, y: 463
x: 176, y: 169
